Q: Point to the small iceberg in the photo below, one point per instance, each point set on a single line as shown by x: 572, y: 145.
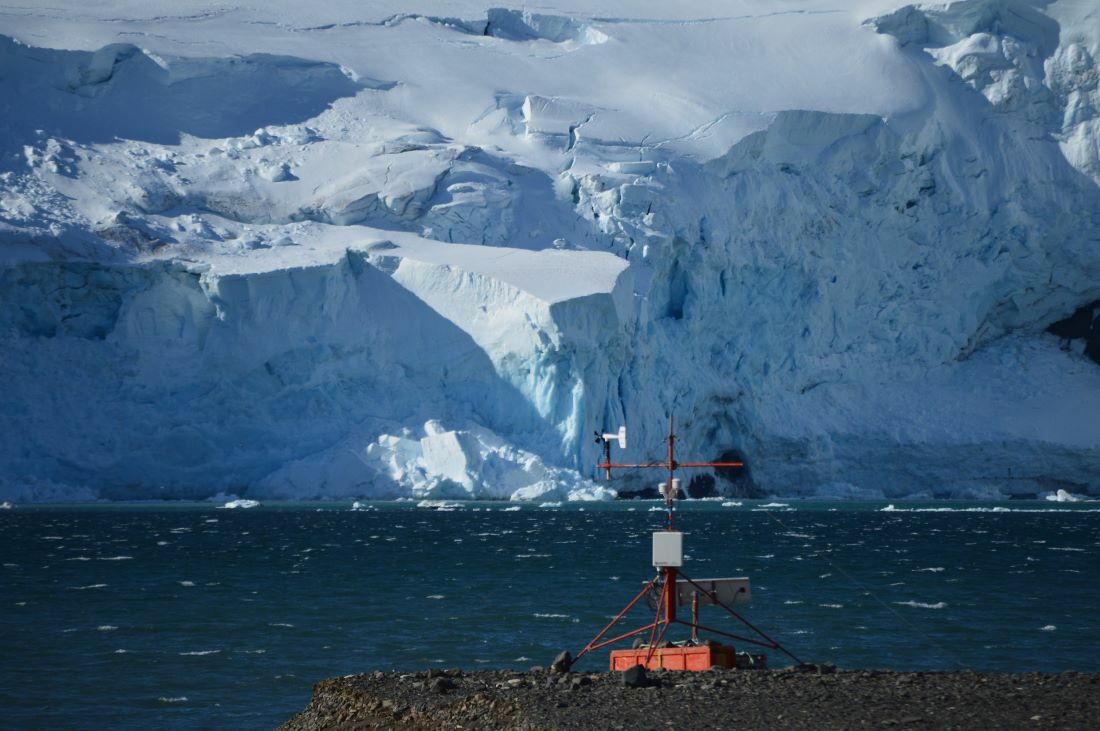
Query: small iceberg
x: 446, y: 505
x: 6, y: 505
x: 1061, y: 496
x: 234, y: 504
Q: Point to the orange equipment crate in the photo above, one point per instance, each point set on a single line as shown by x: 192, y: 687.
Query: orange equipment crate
x: 700, y: 657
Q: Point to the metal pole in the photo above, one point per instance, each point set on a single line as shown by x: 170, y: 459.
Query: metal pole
x: 694, y: 617
x: 671, y: 471
x: 671, y: 594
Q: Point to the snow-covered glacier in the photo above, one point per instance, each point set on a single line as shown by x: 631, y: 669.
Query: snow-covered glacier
x: 427, y: 250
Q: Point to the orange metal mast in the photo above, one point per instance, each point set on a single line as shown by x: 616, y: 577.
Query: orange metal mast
x: 668, y: 576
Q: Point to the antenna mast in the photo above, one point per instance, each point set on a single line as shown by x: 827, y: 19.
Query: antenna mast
x: 675, y: 588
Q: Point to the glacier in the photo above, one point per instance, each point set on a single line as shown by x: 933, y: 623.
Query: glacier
x: 282, y: 252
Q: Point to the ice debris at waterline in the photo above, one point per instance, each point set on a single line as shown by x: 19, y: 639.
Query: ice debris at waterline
x: 241, y: 504
x: 290, y: 252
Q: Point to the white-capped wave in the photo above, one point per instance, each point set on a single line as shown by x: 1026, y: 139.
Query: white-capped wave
x: 89, y: 586
x: 922, y: 605
x: 176, y: 699
x: 199, y: 653
x: 996, y: 509
x: 1048, y: 628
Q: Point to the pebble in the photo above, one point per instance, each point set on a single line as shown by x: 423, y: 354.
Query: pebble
x: 488, y: 699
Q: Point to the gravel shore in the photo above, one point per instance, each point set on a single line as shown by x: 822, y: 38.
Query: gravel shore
x: 815, y: 698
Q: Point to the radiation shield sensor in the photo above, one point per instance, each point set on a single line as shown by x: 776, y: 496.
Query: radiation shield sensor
x: 668, y: 548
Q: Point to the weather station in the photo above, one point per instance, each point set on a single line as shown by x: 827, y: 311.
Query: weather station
x: 671, y: 589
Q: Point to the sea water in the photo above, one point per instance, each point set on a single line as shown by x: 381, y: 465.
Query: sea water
x: 143, y: 616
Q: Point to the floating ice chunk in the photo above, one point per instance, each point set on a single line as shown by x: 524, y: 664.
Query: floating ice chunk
x: 1062, y: 496
x: 439, y: 504
x: 233, y: 504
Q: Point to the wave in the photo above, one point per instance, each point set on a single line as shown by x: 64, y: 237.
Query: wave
x: 997, y: 509
x: 922, y: 605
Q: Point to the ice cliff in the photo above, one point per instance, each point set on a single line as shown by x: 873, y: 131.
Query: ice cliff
x: 358, y: 252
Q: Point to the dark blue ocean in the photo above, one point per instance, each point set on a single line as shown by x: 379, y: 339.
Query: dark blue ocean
x: 154, y: 616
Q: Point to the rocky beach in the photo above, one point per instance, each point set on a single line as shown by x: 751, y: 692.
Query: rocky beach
x: 814, y: 697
